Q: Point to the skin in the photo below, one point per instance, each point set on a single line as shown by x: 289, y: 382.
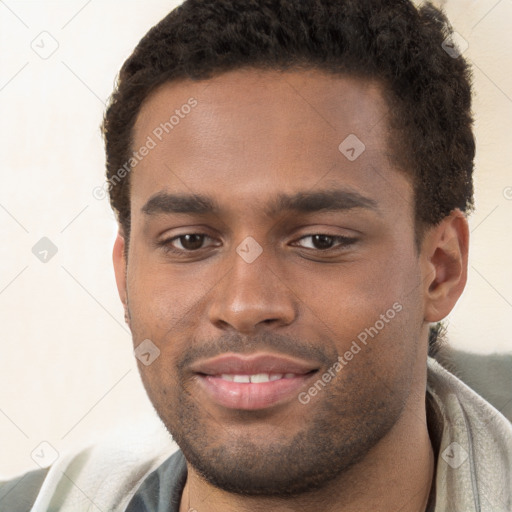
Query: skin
x: 362, y: 442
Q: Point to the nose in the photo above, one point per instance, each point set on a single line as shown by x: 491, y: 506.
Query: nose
x: 252, y: 295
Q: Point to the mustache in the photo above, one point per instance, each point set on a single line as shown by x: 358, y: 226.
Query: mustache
x: 262, y: 342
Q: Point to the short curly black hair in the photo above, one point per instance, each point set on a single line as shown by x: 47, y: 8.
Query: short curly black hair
x: 427, y: 89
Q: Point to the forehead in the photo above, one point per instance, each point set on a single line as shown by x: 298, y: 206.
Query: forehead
x: 242, y: 134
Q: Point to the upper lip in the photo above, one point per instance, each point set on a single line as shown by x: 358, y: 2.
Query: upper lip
x: 237, y: 364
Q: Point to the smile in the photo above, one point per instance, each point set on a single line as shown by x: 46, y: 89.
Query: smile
x: 225, y: 391
x: 252, y: 381
x: 257, y: 378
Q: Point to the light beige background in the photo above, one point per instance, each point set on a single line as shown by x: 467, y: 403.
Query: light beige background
x: 66, y: 364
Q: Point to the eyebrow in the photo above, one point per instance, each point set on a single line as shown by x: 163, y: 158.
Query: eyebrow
x: 322, y: 200
x: 301, y: 202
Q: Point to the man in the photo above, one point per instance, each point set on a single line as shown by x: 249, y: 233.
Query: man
x: 291, y: 181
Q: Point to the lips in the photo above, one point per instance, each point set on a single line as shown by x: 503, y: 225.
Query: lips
x: 234, y: 364
x: 252, y: 382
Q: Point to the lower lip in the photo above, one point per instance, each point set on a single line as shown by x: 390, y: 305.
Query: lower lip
x: 249, y: 396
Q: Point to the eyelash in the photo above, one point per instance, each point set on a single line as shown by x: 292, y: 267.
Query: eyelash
x: 344, y: 243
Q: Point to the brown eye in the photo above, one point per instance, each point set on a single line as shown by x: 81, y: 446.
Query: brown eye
x: 321, y: 242
x: 190, y: 242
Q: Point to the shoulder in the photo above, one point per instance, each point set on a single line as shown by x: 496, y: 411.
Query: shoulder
x: 490, y: 375
x: 106, y: 474
x: 475, y: 460
x: 19, y: 494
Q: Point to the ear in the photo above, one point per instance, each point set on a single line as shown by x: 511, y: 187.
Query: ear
x: 119, y: 260
x: 444, y: 256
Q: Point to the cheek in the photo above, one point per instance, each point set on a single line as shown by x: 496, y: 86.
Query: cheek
x: 388, y: 315
x: 349, y: 299
x: 162, y: 299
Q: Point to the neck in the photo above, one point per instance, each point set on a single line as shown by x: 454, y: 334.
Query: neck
x: 395, y: 475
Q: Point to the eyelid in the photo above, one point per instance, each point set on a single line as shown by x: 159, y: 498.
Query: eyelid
x: 346, y: 241
x: 166, y: 243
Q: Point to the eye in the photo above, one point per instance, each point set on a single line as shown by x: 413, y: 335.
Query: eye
x: 189, y: 242
x: 323, y: 242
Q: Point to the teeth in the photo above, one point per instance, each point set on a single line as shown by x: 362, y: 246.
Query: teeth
x: 256, y: 378
x: 260, y: 377
x: 241, y: 378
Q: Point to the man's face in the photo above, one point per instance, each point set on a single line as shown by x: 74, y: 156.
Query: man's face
x: 285, y: 287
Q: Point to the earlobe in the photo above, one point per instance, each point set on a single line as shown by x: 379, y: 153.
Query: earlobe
x: 445, y: 262
x: 119, y: 260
